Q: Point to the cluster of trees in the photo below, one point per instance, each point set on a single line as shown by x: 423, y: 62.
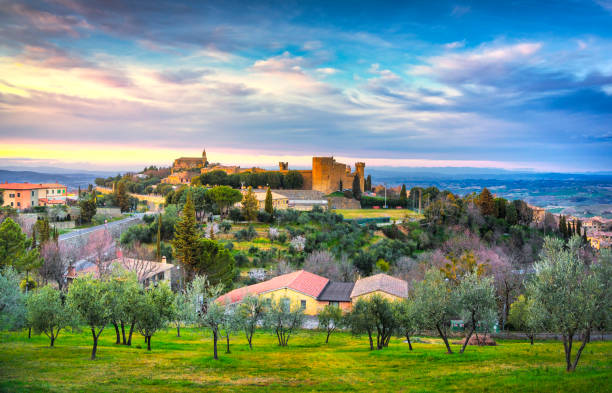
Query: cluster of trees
x: 217, y: 199
x: 198, y: 254
x: 291, y: 180
x: 567, y: 294
x: 136, y: 184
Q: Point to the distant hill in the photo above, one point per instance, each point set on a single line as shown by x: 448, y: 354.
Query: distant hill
x: 72, y: 180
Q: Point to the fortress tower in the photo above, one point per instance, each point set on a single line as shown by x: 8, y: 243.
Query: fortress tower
x: 327, y: 174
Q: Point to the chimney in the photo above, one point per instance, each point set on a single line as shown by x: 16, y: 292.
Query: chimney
x: 164, y: 260
x: 71, y: 271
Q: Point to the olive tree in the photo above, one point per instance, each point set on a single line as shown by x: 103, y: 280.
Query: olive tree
x: 330, y: 318
x: 208, y: 313
x: 476, y: 302
x: 571, y: 296
x: 213, y: 319
x: 183, y: 311
x: 407, y: 317
x: 385, y: 323
x: 12, y: 300
x: 284, y: 319
x: 46, y: 313
x: 250, y: 312
x: 524, y: 319
x: 154, y: 311
x: 89, y: 298
x: 229, y: 324
x: 361, y: 320
x: 434, y: 300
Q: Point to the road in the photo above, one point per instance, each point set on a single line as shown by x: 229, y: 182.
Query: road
x: 110, y: 226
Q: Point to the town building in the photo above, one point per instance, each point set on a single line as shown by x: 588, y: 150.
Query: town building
x: 600, y: 239
x: 26, y: 195
x: 147, y: 272
x: 279, y: 201
x: 326, y: 174
x: 179, y: 178
x: 189, y: 163
x: 301, y: 288
x: 313, y: 292
x: 388, y: 287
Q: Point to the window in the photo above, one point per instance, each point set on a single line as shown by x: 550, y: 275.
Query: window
x: 18, y: 203
x: 11, y: 204
x: 302, y: 304
x: 335, y: 304
x: 11, y: 195
x: 18, y: 194
x: 32, y: 193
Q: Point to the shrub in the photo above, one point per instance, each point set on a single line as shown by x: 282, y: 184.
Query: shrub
x: 235, y: 215
x: 264, y: 216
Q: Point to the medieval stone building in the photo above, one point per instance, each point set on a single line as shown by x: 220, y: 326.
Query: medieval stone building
x: 189, y: 163
x: 326, y: 174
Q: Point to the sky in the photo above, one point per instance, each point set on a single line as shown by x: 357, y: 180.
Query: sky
x: 122, y: 84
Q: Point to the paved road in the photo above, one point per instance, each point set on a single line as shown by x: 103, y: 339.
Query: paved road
x: 80, y: 232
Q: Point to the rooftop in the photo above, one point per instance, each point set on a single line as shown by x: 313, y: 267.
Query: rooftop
x: 380, y: 282
x: 301, y: 281
x: 29, y: 186
x: 336, y: 291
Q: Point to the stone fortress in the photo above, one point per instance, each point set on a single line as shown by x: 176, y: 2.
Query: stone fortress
x: 325, y: 175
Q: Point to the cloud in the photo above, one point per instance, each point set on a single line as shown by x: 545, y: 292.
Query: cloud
x: 605, y: 4
x: 327, y: 70
x: 182, y: 76
x: 455, y: 44
x: 460, y: 10
x: 285, y: 63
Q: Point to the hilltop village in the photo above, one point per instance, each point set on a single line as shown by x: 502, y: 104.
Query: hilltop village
x: 325, y: 176
x: 223, y: 249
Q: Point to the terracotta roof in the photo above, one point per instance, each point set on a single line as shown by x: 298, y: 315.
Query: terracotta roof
x: 29, y: 186
x: 337, y: 291
x: 380, y: 282
x: 302, y: 281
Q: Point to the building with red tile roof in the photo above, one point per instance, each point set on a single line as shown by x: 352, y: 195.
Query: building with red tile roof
x: 302, y: 288
x: 26, y: 195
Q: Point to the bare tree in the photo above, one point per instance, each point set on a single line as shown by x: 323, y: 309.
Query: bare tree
x: 139, y: 262
x: 325, y: 264
x: 99, y: 249
x: 54, y: 267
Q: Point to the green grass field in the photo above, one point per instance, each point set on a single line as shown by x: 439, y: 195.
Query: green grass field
x: 344, y: 365
x: 395, y: 214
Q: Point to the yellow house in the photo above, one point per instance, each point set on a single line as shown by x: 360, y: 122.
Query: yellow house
x: 300, y: 288
x: 388, y: 287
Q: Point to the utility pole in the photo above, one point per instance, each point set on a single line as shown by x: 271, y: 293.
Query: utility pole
x: 420, y: 195
x: 385, y: 195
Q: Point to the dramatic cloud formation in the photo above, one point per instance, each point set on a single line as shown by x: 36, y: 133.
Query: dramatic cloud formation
x: 124, y: 84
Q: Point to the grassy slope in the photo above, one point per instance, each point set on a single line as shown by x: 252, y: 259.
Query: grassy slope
x: 369, y: 213
x: 346, y: 364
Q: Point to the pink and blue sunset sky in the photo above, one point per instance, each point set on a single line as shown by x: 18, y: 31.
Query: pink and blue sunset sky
x: 120, y: 85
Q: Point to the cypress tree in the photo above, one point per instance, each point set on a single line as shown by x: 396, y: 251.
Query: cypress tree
x: 368, y: 183
x: 269, y: 207
x: 250, y: 205
x: 403, y: 194
x: 340, y: 186
x: 562, y: 227
x: 357, y: 186
x: 485, y: 202
x: 158, y: 244
x: 186, y: 234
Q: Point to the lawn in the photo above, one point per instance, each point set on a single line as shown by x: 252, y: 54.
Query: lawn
x: 395, y: 214
x: 346, y: 364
